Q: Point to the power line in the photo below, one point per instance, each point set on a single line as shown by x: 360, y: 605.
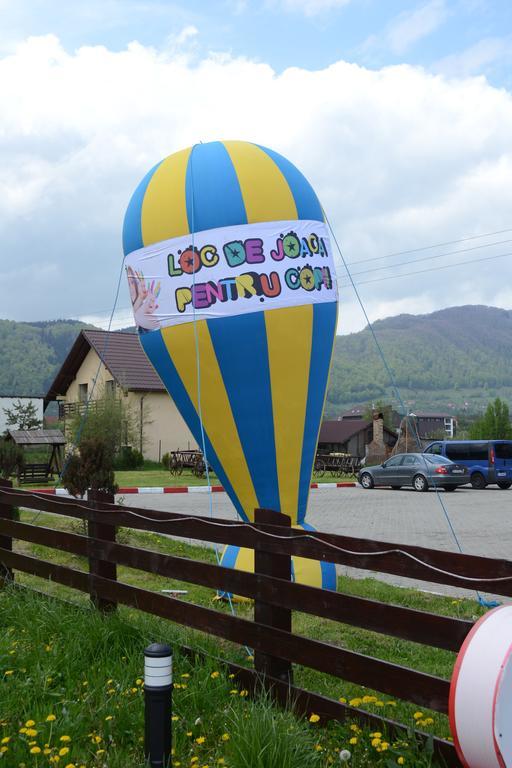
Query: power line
x: 430, y: 247
x: 429, y: 258
x: 432, y: 269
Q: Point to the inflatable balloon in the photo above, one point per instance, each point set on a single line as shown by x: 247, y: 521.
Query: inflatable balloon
x: 234, y: 293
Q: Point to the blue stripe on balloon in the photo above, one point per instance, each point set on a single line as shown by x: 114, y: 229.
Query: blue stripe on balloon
x: 240, y: 344
x: 328, y: 569
x: 132, y: 226
x: 306, y: 201
x: 212, y: 187
x: 230, y: 555
x: 324, y: 325
x: 155, y: 349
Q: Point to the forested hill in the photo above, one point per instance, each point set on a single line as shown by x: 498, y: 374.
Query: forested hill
x: 31, y: 353
x: 456, y: 355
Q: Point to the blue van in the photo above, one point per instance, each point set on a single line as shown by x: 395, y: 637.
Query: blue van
x: 489, y: 461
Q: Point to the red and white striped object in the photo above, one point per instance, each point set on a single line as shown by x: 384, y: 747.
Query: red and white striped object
x: 184, y: 489
x: 480, y: 705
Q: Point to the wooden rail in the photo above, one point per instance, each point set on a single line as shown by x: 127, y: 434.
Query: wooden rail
x: 276, y: 647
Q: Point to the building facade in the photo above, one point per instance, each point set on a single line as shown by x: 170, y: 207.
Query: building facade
x: 102, y: 363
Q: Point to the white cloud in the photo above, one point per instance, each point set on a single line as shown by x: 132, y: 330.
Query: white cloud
x: 309, y: 7
x: 400, y: 158
x: 477, y: 58
x: 408, y: 28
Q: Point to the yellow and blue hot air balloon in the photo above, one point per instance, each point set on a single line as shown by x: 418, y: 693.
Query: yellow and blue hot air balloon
x: 246, y: 366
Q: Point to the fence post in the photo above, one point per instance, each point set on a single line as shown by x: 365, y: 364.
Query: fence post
x: 98, y: 567
x: 278, y: 566
x: 6, y: 512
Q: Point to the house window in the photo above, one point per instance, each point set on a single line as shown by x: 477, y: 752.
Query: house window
x: 82, y: 393
x: 110, y: 388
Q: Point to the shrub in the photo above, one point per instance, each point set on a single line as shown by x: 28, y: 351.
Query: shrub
x: 12, y: 459
x: 91, y: 469
x: 128, y: 458
x: 165, y: 460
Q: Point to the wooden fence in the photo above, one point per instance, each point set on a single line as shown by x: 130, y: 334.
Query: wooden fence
x: 276, y: 648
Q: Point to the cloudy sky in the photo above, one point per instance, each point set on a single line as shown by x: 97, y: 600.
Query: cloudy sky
x: 399, y: 113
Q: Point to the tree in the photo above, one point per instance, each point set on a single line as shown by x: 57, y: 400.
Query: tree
x: 22, y: 416
x: 494, y: 424
x: 108, y: 419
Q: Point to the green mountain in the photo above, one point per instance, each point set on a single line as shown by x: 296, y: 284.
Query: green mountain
x: 31, y: 353
x: 440, y: 361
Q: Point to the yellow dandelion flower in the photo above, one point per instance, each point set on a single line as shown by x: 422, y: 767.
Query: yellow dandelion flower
x: 401, y: 760
x: 31, y: 732
x: 314, y: 718
x: 4, y: 749
x: 342, y: 699
x: 353, y: 740
x: 185, y: 675
x: 50, y: 718
x: 9, y: 672
x: 244, y: 692
x: 174, y: 718
x: 35, y: 750
x: 30, y: 723
x: 355, y: 702
x: 5, y: 740
x: 200, y: 740
x: 65, y: 738
x: 63, y: 751
x: 418, y: 715
x: 225, y: 737
x: 214, y: 675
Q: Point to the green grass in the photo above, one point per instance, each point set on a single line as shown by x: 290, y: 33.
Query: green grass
x: 72, y: 680
x: 158, y: 477
x: 416, y: 656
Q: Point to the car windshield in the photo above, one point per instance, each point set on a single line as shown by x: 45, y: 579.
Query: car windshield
x: 436, y: 459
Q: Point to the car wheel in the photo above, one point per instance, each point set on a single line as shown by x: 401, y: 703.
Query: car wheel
x: 395, y: 487
x: 419, y: 483
x: 450, y: 487
x: 366, y: 480
x: 478, y: 481
x: 505, y: 485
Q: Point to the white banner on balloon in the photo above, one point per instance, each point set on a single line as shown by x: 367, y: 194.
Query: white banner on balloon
x: 231, y: 271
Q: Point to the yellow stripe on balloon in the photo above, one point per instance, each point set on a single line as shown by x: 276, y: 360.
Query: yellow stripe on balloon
x: 218, y: 420
x: 307, y: 571
x: 167, y: 187
x: 265, y: 191
x: 289, y: 336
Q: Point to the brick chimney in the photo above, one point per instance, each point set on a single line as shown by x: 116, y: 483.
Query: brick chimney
x: 376, y: 451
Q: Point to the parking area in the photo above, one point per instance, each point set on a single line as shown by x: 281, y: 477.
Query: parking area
x: 481, y: 519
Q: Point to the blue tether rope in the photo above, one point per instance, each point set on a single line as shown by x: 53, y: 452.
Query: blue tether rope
x: 482, y: 601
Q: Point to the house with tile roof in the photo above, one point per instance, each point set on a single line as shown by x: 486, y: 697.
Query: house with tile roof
x: 118, y: 364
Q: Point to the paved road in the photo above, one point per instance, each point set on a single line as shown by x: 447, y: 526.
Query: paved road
x: 481, y: 519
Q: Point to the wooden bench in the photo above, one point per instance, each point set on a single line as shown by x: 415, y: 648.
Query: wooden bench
x: 32, y: 473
